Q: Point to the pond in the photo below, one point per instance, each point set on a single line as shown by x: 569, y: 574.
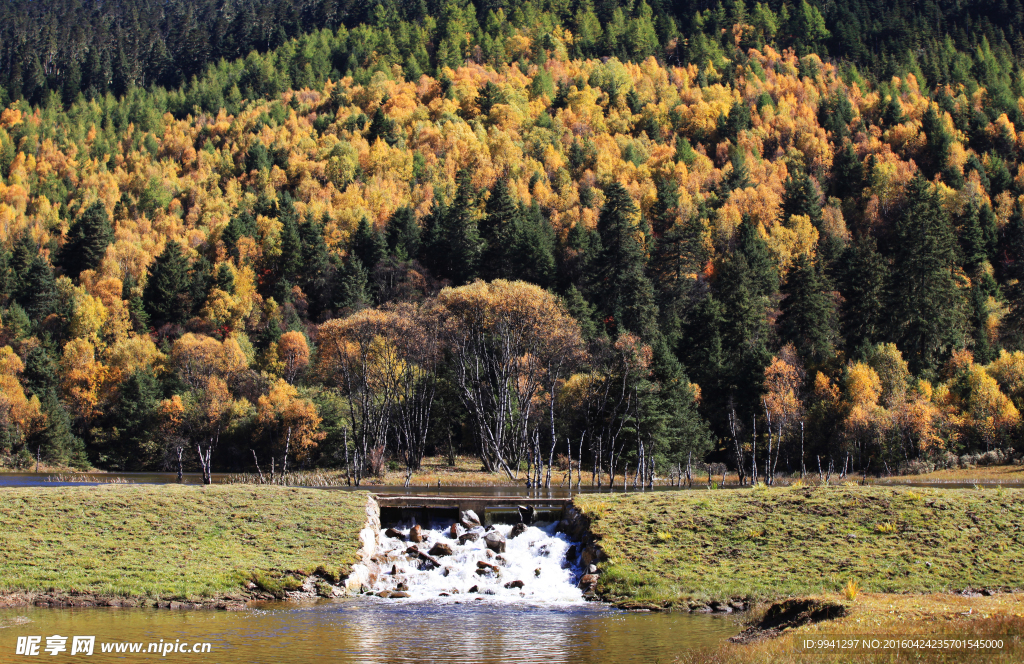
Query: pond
x: 369, y: 630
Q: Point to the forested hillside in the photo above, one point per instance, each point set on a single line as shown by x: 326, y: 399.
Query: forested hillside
x: 72, y: 47
x: 485, y: 241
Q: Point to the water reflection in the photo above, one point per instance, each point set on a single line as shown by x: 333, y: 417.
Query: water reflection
x: 385, y: 631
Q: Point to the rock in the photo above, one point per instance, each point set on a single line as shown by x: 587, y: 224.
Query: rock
x: 514, y: 584
x: 394, y: 570
x: 413, y: 551
x: 401, y: 587
x: 527, y: 514
x: 440, y: 549
x: 490, y: 554
x: 495, y: 541
x: 738, y: 605
x: 384, y: 593
x: 536, y: 572
x: 416, y: 534
x: 400, y: 594
x: 468, y: 537
x: 394, y: 533
x: 427, y: 558
x: 572, y: 552
x: 703, y: 608
x: 588, y: 583
x: 474, y: 589
x: 469, y: 519
x: 501, y: 561
x: 485, y: 567
x: 592, y: 569
x: 719, y: 607
x: 517, y: 530
x: 453, y: 532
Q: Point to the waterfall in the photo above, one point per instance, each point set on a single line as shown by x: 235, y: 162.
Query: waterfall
x: 453, y: 564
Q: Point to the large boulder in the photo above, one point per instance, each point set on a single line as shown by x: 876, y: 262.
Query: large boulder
x: 394, y: 533
x: 495, y: 541
x: 588, y: 582
x: 517, y: 530
x: 514, y: 584
x: 441, y: 549
x: 469, y: 519
x: 468, y: 537
x: 416, y: 534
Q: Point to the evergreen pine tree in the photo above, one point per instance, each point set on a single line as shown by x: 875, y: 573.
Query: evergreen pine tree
x: 317, y: 269
x: 454, y: 239
x: 580, y: 260
x: 368, y: 245
x: 764, y: 275
x: 938, y: 142
x: 133, y: 420
x: 983, y: 352
x: 403, y: 234
x: 40, y: 375
x: 87, y: 241
x: 624, y: 293
x: 702, y: 349
x: 863, y: 285
x: 584, y: 313
x: 225, y: 279
x: 532, y: 255
x: 972, y: 239
x: 498, y: 230
x: 201, y: 281
x: 166, y: 296
x: 8, y: 280
x: 349, y: 290
x: 56, y: 442
x: 745, y: 330
x: 38, y: 290
x: 801, y: 197
x: 808, y: 314
x: 241, y: 225
x: 847, y: 173
x: 683, y: 429
x: 925, y: 305
x: 290, y: 264
x: 382, y: 127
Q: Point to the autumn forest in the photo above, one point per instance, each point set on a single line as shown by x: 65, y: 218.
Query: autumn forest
x: 766, y: 236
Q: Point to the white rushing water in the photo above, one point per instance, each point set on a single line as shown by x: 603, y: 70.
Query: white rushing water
x: 532, y: 569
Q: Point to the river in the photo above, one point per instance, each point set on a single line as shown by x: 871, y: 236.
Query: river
x: 370, y: 630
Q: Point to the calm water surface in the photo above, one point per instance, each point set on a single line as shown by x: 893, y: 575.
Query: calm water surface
x: 369, y: 630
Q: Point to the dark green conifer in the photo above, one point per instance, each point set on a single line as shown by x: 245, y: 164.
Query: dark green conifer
x: 624, y: 293
x: 801, y: 197
x: 87, y: 241
x: 166, y: 296
x: 924, y: 304
x: 808, y: 317
x: 368, y: 245
x: 403, y: 234
x: 847, y: 173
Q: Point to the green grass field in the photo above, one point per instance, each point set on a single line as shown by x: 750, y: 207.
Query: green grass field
x: 782, y: 542
x: 171, y: 542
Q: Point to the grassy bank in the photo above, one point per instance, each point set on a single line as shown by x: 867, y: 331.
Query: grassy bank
x: 694, y: 547
x: 890, y: 617
x: 171, y: 541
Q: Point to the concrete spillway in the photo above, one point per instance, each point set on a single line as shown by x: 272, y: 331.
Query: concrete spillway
x: 492, y: 509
